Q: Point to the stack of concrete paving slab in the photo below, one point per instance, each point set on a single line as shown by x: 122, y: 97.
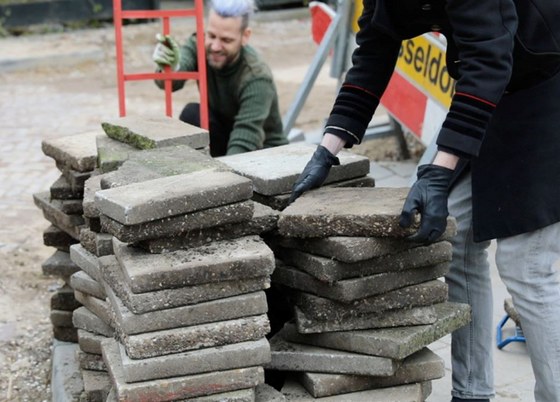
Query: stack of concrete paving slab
x: 93, y: 320
x: 189, y: 322
x: 134, y: 150
x: 75, y: 157
x: 367, y: 301
x: 274, y: 171
x: 185, y: 278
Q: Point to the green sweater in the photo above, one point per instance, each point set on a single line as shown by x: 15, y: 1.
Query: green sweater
x: 243, y: 93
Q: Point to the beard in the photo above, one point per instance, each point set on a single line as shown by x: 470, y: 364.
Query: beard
x: 219, y: 60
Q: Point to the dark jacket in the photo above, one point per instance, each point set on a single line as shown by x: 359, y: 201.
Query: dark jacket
x: 493, y: 55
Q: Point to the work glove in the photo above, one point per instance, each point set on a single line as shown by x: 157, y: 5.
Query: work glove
x: 428, y: 196
x: 314, y: 173
x: 167, y: 52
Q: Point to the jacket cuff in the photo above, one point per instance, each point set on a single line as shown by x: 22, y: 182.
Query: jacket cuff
x: 466, y: 123
x: 351, y: 113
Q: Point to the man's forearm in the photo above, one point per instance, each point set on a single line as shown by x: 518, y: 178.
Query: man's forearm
x: 333, y: 143
x: 446, y: 160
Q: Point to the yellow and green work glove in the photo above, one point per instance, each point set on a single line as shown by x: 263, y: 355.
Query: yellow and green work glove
x: 167, y: 52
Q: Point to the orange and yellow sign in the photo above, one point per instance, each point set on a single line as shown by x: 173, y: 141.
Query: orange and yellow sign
x: 422, y: 62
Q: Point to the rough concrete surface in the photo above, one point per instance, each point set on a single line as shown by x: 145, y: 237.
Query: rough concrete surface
x: 227, y: 260
x: 170, y: 196
x: 183, y: 387
x: 146, y: 132
x: 274, y: 170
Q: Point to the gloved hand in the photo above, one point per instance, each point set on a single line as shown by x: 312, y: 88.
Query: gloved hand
x: 315, y: 172
x: 428, y: 196
x: 167, y: 52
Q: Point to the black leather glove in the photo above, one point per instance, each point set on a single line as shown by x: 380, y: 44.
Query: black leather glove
x: 428, y: 196
x: 315, y: 172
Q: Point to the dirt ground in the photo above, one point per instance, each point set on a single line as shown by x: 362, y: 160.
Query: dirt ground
x: 70, y: 89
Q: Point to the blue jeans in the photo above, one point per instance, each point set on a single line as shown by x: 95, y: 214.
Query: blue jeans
x: 526, y: 266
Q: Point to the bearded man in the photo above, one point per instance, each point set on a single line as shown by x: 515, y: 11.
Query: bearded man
x: 242, y: 98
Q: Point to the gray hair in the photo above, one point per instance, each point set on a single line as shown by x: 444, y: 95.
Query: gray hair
x: 234, y: 8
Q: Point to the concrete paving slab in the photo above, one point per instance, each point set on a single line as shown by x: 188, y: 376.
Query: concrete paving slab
x: 348, y: 290
x: 54, y: 237
x: 129, y: 172
x: 78, y: 151
x: 97, y: 306
x: 281, y: 201
x: 146, y: 132
x: 353, y: 249
x: 97, y: 385
x: 71, y: 207
x: 62, y: 190
x: 232, y: 356
x: 394, y: 318
x: 65, y: 334
x: 421, y: 366
x: 91, y: 186
x: 226, y: 260
x: 61, y: 318
x: 52, y: 212
x: 184, y: 387
x: 227, y: 308
x: 395, y: 343
x: 290, y: 356
x: 403, y: 393
x: 346, y: 212
x: 161, y: 162
x: 263, y: 221
x: 66, y: 381
x: 98, y: 244
x: 274, y: 170
x: 266, y: 393
x: 170, y: 196
x: 330, y: 270
x: 168, y: 298
x: 111, y: 153
x: 82, y: 282
x: 90, y: 361
x: 177, y: 340
x: 323, y: 309
x: 90, y: 342
x: 60, y: 265
x: 242, y: 395
x: 237, y: 212
x: 76, y: 178
x: 509, y: 308
x: 86, y: 261
x: 63, y: 299
x: 84, y: 319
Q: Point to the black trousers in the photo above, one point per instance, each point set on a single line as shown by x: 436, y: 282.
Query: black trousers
x: 220, y: 128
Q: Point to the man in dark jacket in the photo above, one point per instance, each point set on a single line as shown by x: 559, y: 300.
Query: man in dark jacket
x: 497, y: 169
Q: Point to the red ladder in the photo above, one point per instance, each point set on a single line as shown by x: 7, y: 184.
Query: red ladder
x: 167, y: 75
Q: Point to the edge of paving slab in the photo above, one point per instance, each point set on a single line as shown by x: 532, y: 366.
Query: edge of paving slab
x: 66, y: 378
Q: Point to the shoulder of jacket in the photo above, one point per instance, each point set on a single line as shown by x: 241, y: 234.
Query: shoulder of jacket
x: 254, y: 67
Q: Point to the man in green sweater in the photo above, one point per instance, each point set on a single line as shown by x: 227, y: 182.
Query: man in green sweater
x: 242, y: 97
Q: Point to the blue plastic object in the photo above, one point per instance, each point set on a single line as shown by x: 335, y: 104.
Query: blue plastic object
x: 517, y: 336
